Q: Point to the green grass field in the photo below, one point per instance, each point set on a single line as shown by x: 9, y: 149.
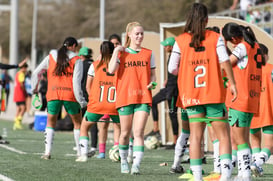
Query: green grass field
x: 20, y: 161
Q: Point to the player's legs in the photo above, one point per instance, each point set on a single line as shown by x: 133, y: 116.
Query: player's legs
x: 173, y: 117
x: 234, y: 149
x: 159, y: 97
x: 256, y: 139
x: 88, y: 121
x: 103, y: 132
x: 268, y: 137
x: 216, y: 155
x: 265, y: 152
x: 141, y: 113
x: 181, y: 143
x: 197, y: 125
x: 116, y: 127
x: 240, y: 122
x: 53, y: 109
x: 74, y: 111
x: 217, y: 116
x: 126, y: 118
x: 20, y: 111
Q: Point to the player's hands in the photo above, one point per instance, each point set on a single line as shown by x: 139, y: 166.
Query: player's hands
x: 233, y: 91
x: 151, y: 85
x: 119, y: 48
x: 23, y: 62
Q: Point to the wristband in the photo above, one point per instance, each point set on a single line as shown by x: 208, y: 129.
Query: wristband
x: 225, y: 79
x: 154, y: 84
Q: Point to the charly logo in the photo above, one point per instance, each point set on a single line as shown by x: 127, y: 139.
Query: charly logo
x: 253, y: 93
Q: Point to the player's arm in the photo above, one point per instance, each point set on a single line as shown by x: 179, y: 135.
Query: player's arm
x: 114, y: 62
x: 152, y: 83
x: 225, y: 64
x: 90, y: 77
x: 238, y: 54
x: 77, y: 77
x: 174, y: 60
x: 35, y: 75
x: 8, y: 66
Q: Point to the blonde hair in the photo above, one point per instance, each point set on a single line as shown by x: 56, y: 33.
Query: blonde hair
x: 129, y: 28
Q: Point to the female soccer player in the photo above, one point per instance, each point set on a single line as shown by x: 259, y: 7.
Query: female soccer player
x: 64, y: 74
x: 101, y: 86
x: 197, y: 57
x: 246, y: 60
x: 103, y: 126
x: 263, y: 121
x: 19, y: 97
x: 135, y: 67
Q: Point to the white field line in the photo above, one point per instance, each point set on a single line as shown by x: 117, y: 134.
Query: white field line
x: 71, y: 155
x: 4, y: 178
x: 12, y: 149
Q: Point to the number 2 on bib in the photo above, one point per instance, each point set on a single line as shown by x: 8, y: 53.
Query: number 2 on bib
x: 197, y: 82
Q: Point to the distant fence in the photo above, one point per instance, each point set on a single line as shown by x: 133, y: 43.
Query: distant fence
x: 262, y: 14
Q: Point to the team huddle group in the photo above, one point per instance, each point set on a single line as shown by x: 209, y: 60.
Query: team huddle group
x: 119, y: 84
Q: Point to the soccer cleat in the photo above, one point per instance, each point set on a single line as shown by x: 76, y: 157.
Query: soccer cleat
x: 192, y: 179
x: 17, y: 126
x: 101, y: 156
x: 170, y: 147
x: 186, y: 176
x: 135, y: 170
x: 82, y: 158
x: 178, y: 169
x: 91, y: 153
x: 204, y: 160
x: 124, y: 167
x: 190, y: 171
x: 225, y: 179
x: 212, y: 177
x: 237, y: 178
x: 256, y: 171
x: 46, y: 157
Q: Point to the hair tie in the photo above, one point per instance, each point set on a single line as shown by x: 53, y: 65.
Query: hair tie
x: 65, y: 44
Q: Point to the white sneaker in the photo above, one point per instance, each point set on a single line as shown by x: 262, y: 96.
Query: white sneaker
x: 82, y: 158
x: 124, y: 167
x: 256, y: 171
x: 225, y: 179
x: 91, y: 153
x: 135, y: 170
x: 237, y: 178
x: 46, y: 157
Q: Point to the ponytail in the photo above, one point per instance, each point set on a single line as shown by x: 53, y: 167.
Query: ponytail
x: 233, y: 30
x: 249, y: 35
x: 106, y: 49
x: 196, y: 24
x: 62, y: 57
